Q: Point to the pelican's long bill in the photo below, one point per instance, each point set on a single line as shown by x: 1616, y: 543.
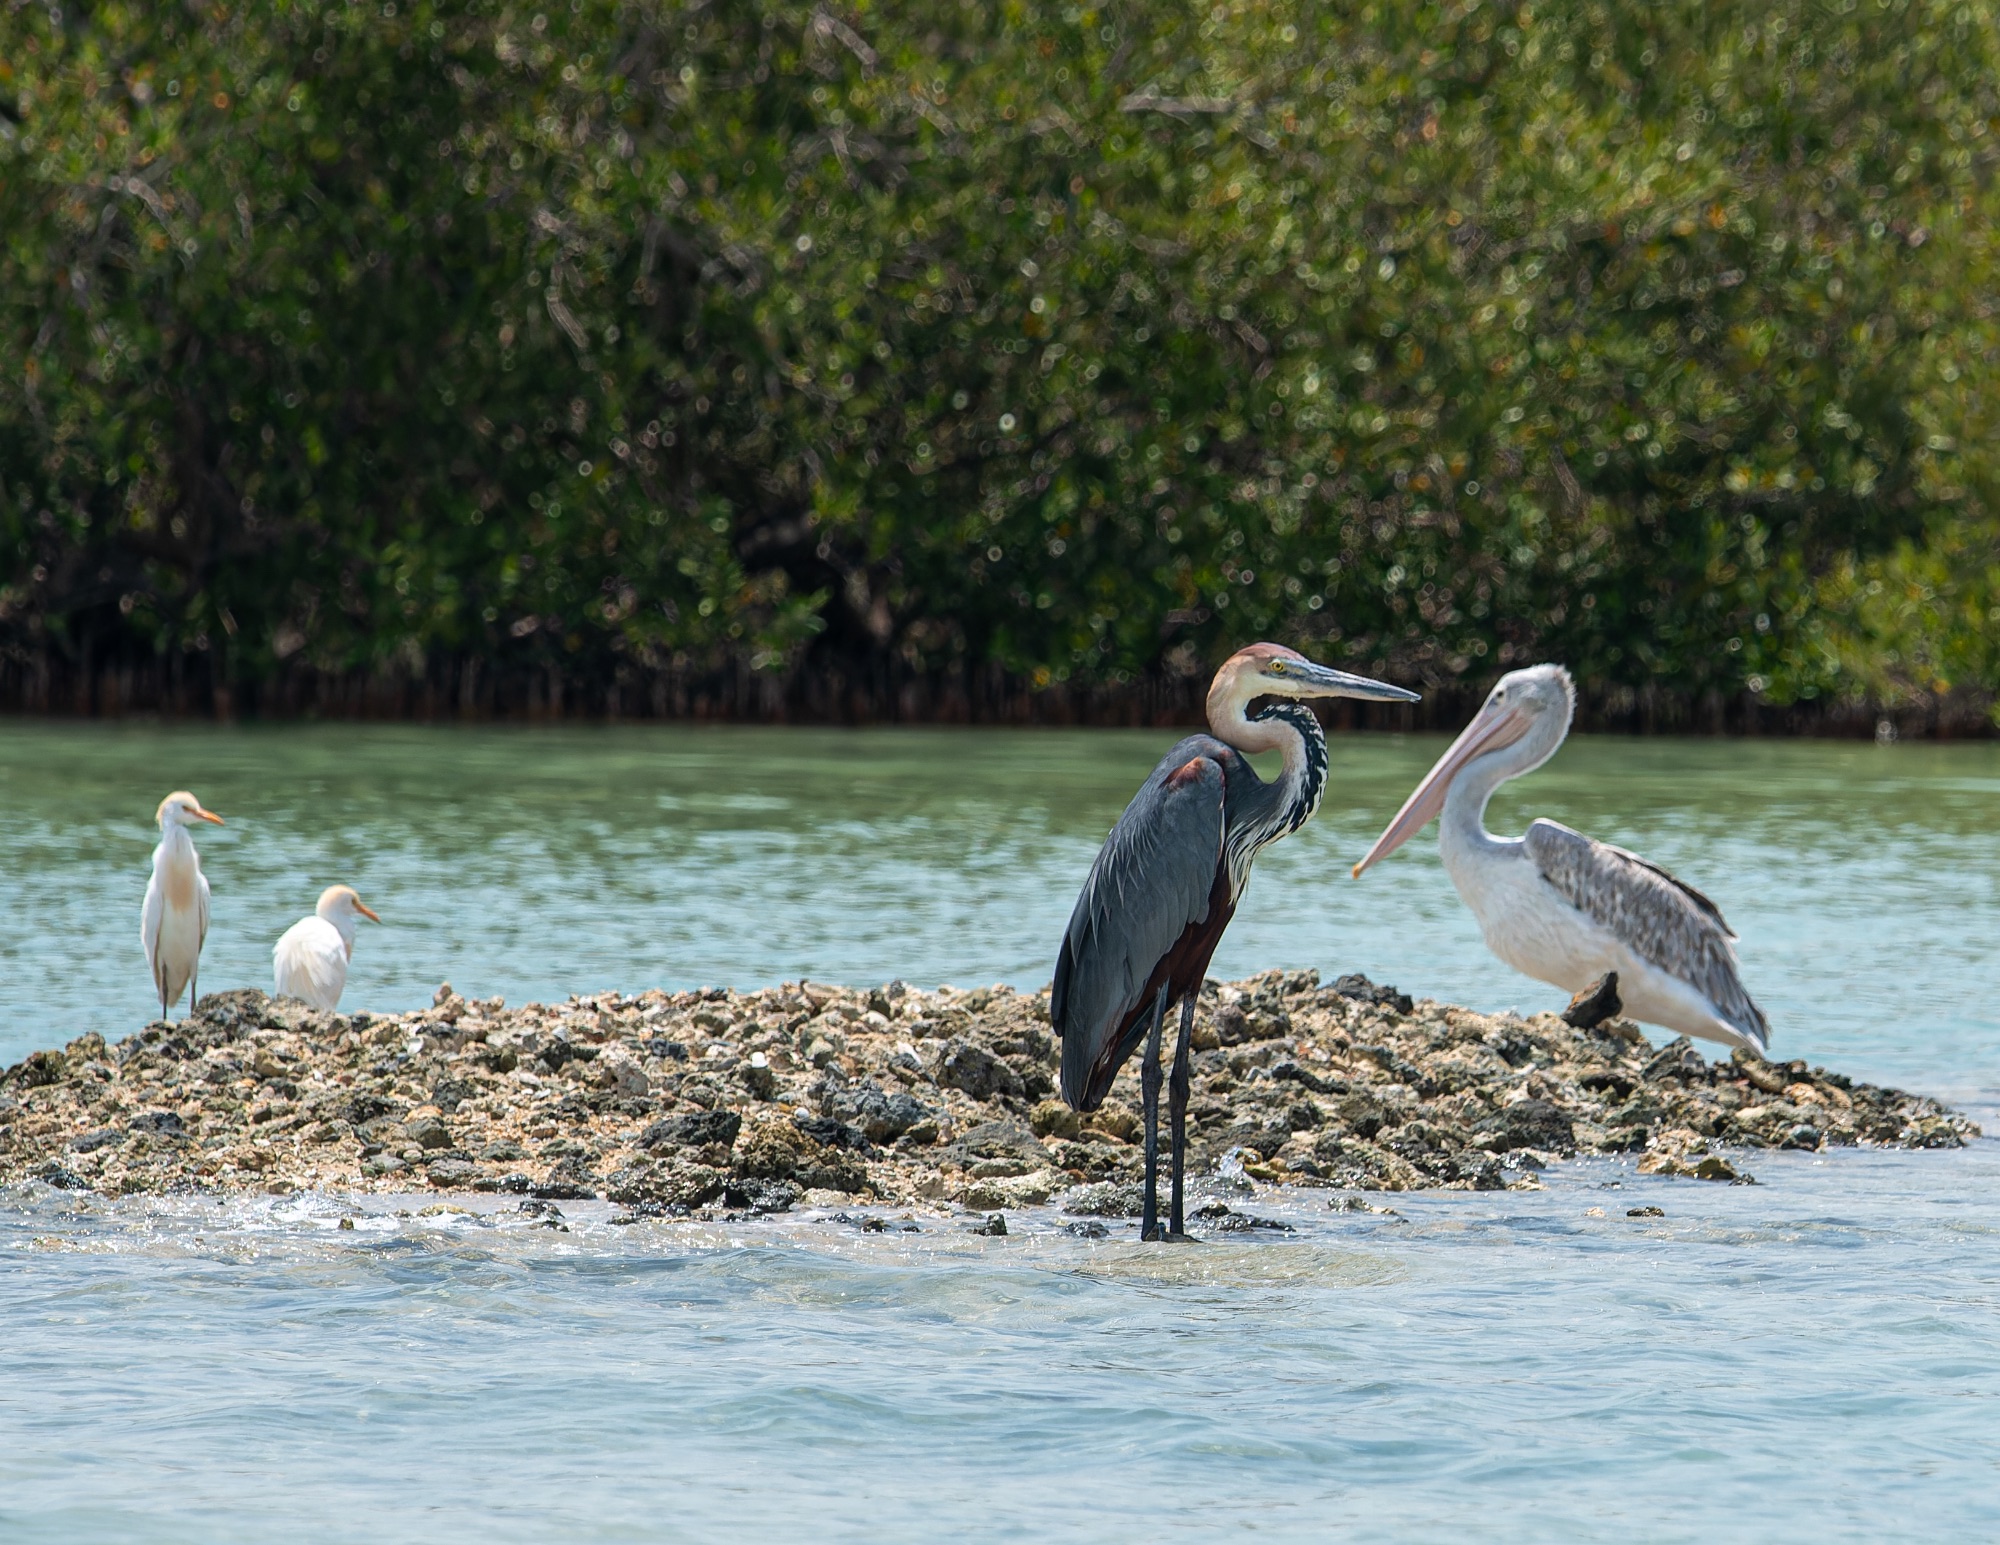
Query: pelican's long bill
x: 1491, y: 729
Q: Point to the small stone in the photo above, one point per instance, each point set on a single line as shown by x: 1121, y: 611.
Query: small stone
x: 1595, y: 1004
x: 1645, y: 1212
x: 1105, y: 1199
x: 346, y: 1223
x: 383, y: 1164
x: 428, y: 1132
x: 1358, y: 987
x: 762, y: 1196
x: 758, y: 1076
x: 831, y: 1133
x: 452, y: 1172
x: 995, y: 1227
x: 976, y: 1071
x: 880, y: 1117
x: 1676, y: 1059
x: 1113, y: 1121
x: 673, y: 1183
x: 1529, y: 1123
x: 1224, y: 1219
x: 697, y: 1129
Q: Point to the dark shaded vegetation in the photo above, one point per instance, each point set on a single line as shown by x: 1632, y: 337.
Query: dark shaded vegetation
x: 995, y: 360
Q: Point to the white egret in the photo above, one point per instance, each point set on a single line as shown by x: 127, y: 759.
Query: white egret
x: 174, y: 921
x: 311, y: 959
x: 1565, y: 908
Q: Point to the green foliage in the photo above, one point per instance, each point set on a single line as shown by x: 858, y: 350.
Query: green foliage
x: 1084, y: 342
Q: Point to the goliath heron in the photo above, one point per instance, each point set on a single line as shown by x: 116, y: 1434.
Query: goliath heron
x: 1168, y: 878
x: 1560, y: 906
x: 174, y: 921
x: 310, y: 961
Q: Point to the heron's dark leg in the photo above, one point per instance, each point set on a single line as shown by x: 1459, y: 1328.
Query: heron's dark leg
x: 1149, y: 1086
x: 1177, y: 1092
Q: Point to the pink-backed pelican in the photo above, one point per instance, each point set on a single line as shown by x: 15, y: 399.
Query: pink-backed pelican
x: 1560, y: 906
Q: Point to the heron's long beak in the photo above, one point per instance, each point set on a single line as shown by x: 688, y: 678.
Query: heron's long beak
x: 366, y: 911
x: 1490, y: 730
x: 208, y: 815
x: 1325, y: 681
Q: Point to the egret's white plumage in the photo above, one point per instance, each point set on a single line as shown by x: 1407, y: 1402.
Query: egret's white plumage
x: 173, y: 923
x: 310, y: 961
x: 1565, y: 908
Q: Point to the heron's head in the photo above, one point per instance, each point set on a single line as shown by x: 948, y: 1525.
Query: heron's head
x: 181, y: 807
x: 1272, y: 670
x: 338, y: 904
x: 1523, y: 719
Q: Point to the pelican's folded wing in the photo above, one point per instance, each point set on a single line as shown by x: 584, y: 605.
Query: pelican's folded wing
x: 1659, y: 918
x: 1152, y: 881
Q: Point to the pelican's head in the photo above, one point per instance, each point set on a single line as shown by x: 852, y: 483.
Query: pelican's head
x: 1272, y: 670
x: 181, y: 807
x: 1524, y: 717
x: 340, y: 906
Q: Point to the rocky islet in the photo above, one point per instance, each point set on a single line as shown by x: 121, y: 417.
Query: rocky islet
x: 679, y: 1103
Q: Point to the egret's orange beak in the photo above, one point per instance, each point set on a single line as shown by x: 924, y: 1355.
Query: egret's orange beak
x: 208, y: 815
x: 364, y: 909
x: 1490, y: 730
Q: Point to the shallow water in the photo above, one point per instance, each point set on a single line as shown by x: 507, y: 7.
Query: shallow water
x: 1816, y: 1357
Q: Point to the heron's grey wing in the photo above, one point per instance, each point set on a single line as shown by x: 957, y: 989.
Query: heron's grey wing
x: 1661, y: 919
x: 1152, y: 880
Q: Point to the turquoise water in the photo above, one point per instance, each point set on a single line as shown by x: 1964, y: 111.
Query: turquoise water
x: 1816, y: 1357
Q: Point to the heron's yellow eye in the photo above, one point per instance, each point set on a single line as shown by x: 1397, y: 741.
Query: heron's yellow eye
x: 1277, y: 667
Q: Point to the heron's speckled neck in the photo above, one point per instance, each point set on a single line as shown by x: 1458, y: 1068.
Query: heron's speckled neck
x: 1265, y: 812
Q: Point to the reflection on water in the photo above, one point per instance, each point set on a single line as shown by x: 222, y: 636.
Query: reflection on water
x: 537, y: 863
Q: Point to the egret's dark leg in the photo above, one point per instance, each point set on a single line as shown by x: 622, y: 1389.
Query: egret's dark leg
x: 1149, y: 1086
x: 1177, y: 1091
